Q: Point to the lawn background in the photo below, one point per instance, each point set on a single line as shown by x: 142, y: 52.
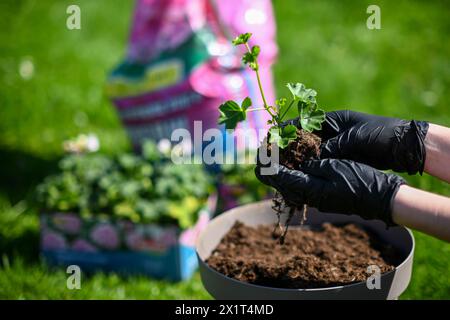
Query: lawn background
x: 402, y: 70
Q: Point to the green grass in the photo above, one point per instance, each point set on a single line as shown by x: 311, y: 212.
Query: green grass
x: 19, y: 281
x: 401, y: 70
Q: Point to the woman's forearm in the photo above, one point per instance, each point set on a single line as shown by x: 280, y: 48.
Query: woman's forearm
x: 437, y: 145
x: 423, y: 211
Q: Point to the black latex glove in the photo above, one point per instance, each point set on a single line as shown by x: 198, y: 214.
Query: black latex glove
x: 381, y: 142
x: 339, y: 186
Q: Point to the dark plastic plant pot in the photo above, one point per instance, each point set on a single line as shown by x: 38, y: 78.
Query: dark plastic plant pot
x: 393, y: 283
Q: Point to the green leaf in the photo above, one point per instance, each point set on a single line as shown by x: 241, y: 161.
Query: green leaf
x: 283, y: 136
x: 280, y: 102
x: 150, y: 151
x: 250, y: 59
x: 246, y: 103
x: 300, y: 92
x: 255, y: 51
x: 274, y: 135
x: 241, y: 39
x: 311, y: 118
x: 231, y: 113
x: 289, y: 132
x: 128, y: 161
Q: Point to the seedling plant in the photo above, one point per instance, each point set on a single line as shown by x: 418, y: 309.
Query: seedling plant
x: 291, y: 138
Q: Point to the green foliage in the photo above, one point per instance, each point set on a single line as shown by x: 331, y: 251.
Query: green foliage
x: 241, y: 39
x: 310, y: 116
x: 231, y: 113
x: 63, y: 192
x: 127, y: 186
x: 300, y: 93
x: 281, y: 102
x: 178, y: 211
x: 251, y: 58
x: 150, y: 152
x: 21, y: 280
x: 282, y: 136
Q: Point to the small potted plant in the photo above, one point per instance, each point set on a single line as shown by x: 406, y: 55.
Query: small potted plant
x: 127, y: 213
x: 329, y: 257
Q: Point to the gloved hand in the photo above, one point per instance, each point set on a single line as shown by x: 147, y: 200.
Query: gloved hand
x: 381, y: 142
x: 339, y: 186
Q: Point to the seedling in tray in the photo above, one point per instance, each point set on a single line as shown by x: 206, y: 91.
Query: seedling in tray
x: 296, y: 141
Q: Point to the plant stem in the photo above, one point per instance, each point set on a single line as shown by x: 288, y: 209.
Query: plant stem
x: 260, y: 87
x: 303, y: 218
x: 256, y: 109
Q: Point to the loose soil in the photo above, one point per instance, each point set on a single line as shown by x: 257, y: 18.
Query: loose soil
x: 310, y: 258
x: 306, y: 147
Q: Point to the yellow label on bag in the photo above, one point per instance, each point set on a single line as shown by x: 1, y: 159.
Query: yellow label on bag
x: 156, y: 77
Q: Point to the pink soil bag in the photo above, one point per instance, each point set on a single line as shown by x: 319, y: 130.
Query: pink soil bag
x: 180, y: 65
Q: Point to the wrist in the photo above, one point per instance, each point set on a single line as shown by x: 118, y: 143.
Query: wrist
x: 398, y: 185
x: 398, y: 201
x: 437, y: 144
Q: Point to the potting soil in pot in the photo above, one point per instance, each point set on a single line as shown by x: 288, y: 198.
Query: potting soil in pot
x: 310, y: 258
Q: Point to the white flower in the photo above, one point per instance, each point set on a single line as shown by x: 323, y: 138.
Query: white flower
x: 164, y: 146
x: 82, y: 143
x: 26, y: 69
x: 92, y: 143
